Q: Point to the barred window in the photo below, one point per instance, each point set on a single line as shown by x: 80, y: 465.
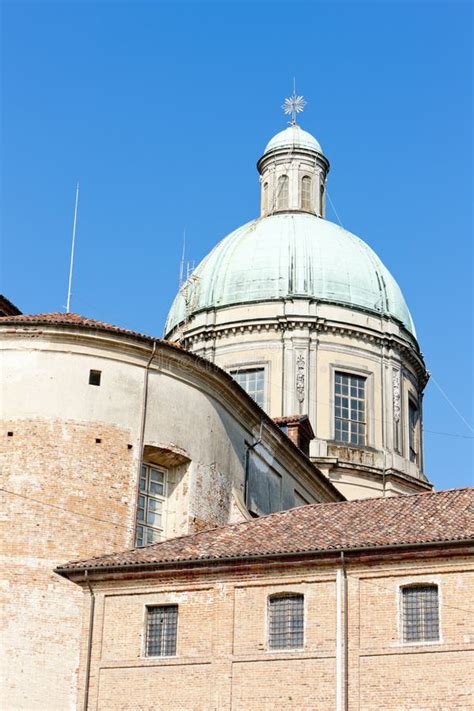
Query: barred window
x: 420, y: 611
x: 413, y: 416
x: 306, y: 193
x: 161, y: 630
x: 350, y: 409
x: 282, y: 192
x: 285, y: 621
x: 252, y: 380
x: 151, y: 503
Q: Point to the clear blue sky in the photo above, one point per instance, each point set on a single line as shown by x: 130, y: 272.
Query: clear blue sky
x: 161, y: 111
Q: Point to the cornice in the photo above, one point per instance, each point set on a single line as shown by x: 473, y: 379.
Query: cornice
x: 211, y: 334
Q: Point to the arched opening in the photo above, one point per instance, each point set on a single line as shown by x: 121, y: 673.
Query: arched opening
x: 306, y: 193
x: 282, y: 192
x: 265, y: 198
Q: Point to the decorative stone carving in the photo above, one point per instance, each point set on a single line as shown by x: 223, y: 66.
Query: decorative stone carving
x: 300, y: 368
x: 397, y: 407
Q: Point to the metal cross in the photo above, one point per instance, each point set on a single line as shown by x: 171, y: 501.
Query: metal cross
x: 293, y: 105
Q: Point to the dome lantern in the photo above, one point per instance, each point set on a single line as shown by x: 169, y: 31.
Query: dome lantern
x: 293, y: 169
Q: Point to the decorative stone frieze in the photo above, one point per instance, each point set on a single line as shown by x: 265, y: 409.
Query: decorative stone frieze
x: 300, y: 378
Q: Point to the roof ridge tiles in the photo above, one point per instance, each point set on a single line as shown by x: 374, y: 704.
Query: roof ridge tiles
x: 419, y: 519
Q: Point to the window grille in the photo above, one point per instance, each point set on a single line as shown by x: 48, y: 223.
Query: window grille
x: 150, y: 511
x: 252, y: 380
x: 413, y: 415
x: 321, y: 199
x: 285, y: 621
x: 306, y: 193
x: 282, y: 192
x: 350, y: 409
x: 161, y: 630
x: 420, y: 613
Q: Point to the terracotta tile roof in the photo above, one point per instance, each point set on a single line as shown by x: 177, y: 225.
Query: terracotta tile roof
x: 78, y: 320
x: 302, y: 421
x: 443, y: 517
x: 290, y: 419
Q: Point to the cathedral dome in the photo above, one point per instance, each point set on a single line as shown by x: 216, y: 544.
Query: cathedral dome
x: 293, y: 137
x: 291, y: 255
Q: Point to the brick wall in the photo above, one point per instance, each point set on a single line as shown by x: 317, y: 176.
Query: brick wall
x: 68, y: 497
x: 223, y: 660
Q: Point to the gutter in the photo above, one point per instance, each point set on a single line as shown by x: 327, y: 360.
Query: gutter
x: 142, y: 435
x: 342, y: 641
x: 89, y: 645
x: 66, y: 572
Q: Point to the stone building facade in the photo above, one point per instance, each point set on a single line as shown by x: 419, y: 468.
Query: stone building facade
x: 291, y: 376
x: 295, y: 302
x: 360, y: 605
x: 113, y: 439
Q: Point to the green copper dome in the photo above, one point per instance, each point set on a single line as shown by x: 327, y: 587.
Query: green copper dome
x: 291, y: 255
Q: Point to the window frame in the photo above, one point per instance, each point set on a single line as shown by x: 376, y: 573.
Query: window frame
x: 234, y: 368
x: 413, y: 585
x: 145, y: 636
x: 276, y: 596
x: 162, y: 498
x: 349, y: 369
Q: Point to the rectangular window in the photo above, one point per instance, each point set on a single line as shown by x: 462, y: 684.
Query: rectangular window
x: 151, y: 503
x: 350, y: 409
x: 420, y: 613
x: 161, y: 630
x: 413, y: 416
x: 252, y: 380
x: 285, y: 621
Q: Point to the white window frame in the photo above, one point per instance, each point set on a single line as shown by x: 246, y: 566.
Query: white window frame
x: 349, y: 369
x: 241, y: 367
x: 158, y: 497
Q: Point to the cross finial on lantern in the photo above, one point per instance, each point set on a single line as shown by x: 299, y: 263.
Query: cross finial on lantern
x: 293, y: 105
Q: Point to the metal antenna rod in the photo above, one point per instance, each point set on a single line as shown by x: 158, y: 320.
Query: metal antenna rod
x: 181, y: 266
x: 71, y: 265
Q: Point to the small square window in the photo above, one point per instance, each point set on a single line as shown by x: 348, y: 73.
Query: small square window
x: 94, y: 377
